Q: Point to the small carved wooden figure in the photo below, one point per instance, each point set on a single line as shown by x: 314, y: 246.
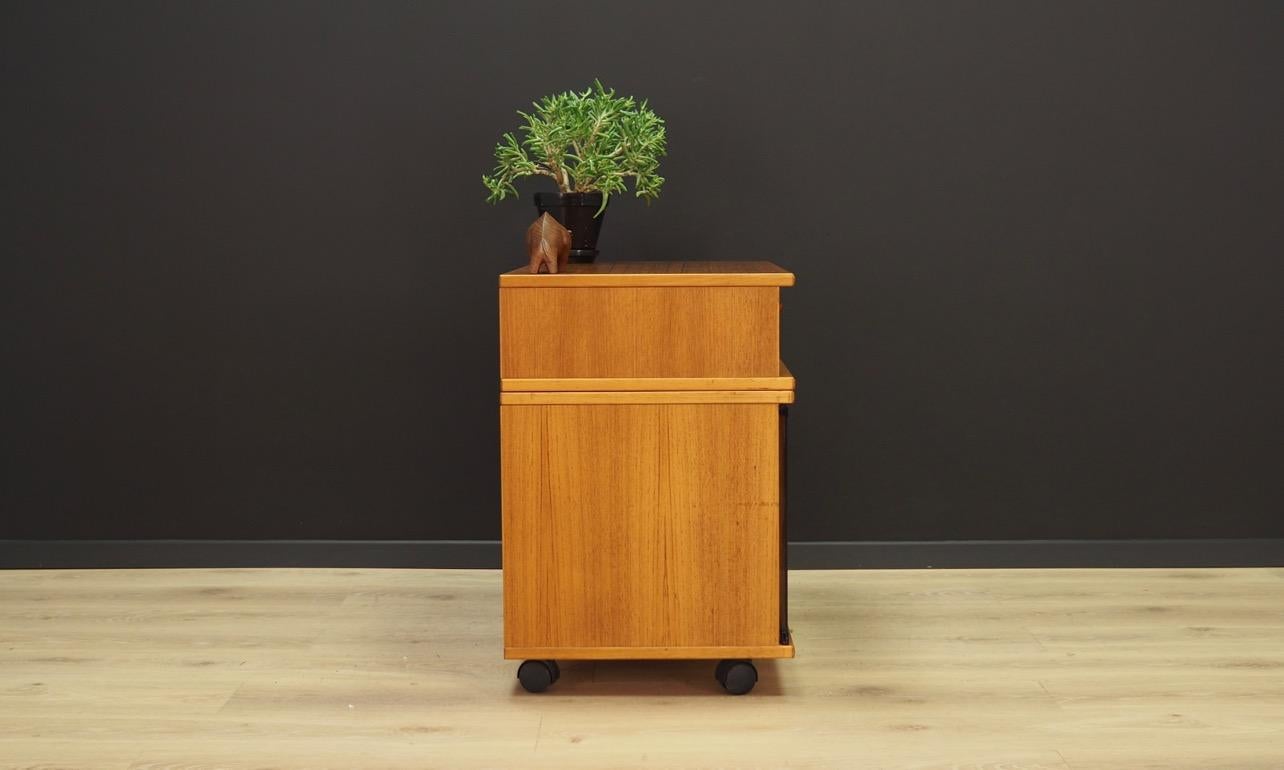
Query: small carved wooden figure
x: 548, y: 243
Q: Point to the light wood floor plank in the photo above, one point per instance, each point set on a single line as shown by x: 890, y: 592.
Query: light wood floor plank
x: 352, y: 669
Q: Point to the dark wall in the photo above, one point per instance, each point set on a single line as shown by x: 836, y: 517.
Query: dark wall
x: 248, y: 276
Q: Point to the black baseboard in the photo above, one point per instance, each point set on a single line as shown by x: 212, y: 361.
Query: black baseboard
x: 485, y: 554
x: 1031, y: 554
x: 124, y: 554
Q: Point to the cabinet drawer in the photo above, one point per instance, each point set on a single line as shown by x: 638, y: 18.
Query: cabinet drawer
x: 642, y: 320
x: 639, y: 332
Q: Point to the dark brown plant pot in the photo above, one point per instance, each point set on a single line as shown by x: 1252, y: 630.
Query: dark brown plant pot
x: 575, y: 211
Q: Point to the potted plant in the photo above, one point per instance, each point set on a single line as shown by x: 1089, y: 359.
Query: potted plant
x: 590, y: 142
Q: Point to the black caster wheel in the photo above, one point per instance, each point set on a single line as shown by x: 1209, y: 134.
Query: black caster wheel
x: 736, y: 676
x: 537, y: 675
x: 720, y: 672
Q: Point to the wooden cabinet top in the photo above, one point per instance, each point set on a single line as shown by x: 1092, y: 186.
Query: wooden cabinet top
x: 653, y: 274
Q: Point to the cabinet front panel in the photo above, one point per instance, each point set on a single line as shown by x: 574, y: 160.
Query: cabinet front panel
x: 712, y: 331
x: 640, y: 525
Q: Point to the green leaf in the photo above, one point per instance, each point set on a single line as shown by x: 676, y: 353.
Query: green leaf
x: 598, y: 139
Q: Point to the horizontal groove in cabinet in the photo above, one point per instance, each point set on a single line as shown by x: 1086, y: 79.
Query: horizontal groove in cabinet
x: 784, y: 381
x: 649, y: 397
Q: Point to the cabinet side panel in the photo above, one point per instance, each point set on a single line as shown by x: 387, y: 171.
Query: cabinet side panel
x: 640, y: 525
x: 524, y: 521
x: 721, y: 524
x: 580, y: 493
x: 682, y: 331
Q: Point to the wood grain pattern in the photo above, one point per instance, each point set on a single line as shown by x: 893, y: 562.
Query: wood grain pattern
x: 652, y: 397
x: 345, y: 669
x: 640, y: 525
x: 710, y: 273
x: 784, y: 380
x: 680, y: 331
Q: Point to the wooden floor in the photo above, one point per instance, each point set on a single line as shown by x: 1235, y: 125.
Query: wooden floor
x: 401, y: 669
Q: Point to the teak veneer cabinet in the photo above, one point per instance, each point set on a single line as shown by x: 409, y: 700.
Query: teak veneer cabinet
x: 642, y: 438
